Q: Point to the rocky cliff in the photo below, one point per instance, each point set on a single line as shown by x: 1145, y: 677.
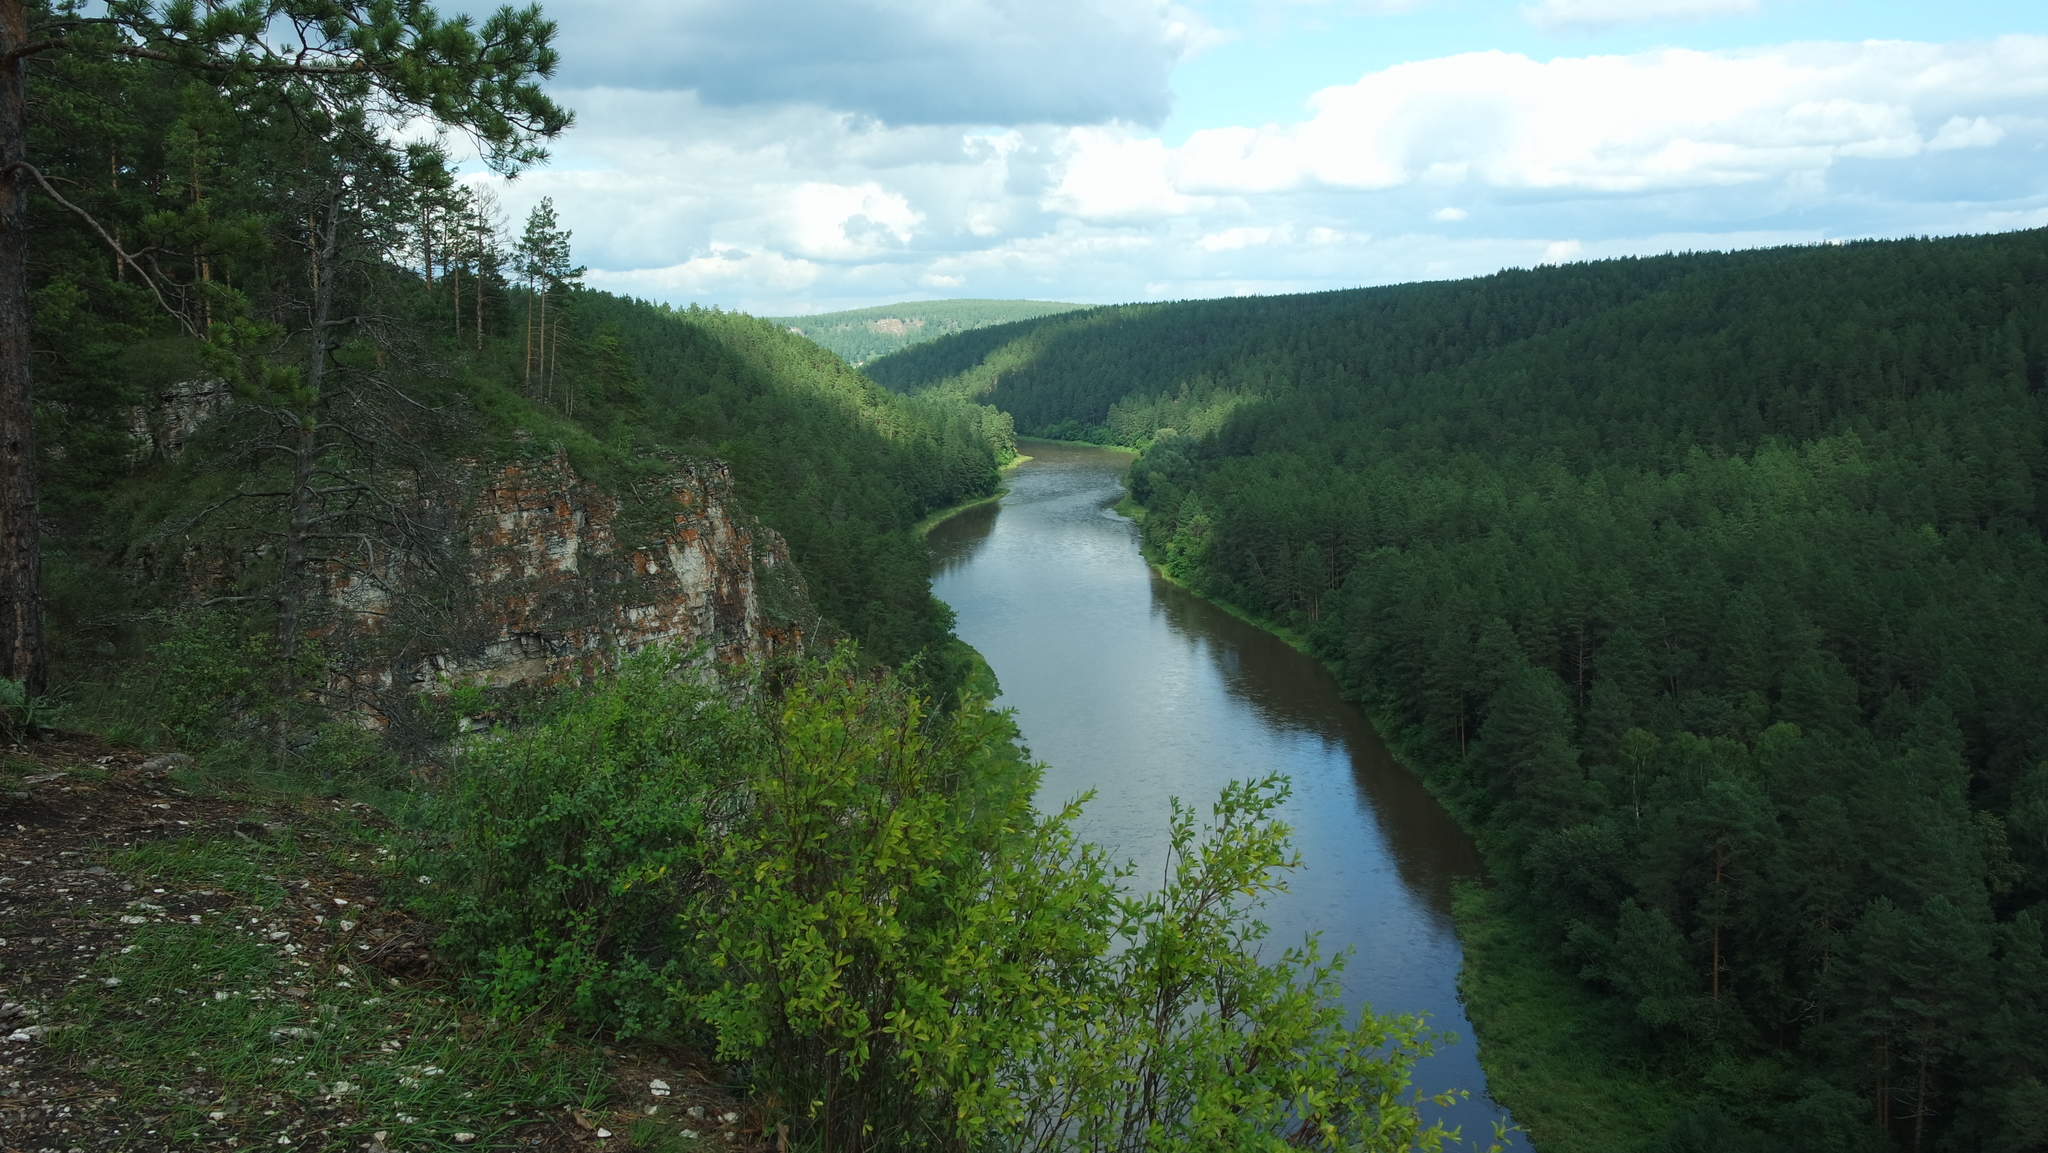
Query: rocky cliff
x: 555, y: 578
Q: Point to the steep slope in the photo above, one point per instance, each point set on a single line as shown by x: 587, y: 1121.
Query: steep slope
x: 1114, y: 374
x: 690, y: 476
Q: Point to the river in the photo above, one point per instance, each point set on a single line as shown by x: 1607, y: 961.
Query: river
x: 1131, y: 687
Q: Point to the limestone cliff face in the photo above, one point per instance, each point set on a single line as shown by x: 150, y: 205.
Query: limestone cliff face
x: 552, y: 579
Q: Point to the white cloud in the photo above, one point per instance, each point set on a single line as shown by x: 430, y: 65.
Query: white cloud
x: 902, y: 61
x: 717, y: 272
x: 1245, y: 236
x: 1598, y: 15
x: 1959, y: 132
x: 1668, y: 119
x: 838, y: 221
x: 780, y: 208
x: 1114, y: 175
x: 1334, y: 236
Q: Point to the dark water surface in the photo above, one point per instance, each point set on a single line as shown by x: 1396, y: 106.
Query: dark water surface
x: 1128, y: 686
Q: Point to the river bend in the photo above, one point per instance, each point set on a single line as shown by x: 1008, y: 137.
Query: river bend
x: 1131, y: 687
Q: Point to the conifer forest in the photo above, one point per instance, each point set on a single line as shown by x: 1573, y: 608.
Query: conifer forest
x: 1707, y: 590
x: 562, y: 670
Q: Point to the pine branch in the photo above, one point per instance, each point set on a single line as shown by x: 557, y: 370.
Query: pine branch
x: 119, y: 254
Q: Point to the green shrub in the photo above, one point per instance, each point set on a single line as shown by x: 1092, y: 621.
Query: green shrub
x: 573, y: 844
x: 26, y: 715
x: 852, y: 894
x: 1185, y: 1040
x: 210, y: 667
x: 893, y: 920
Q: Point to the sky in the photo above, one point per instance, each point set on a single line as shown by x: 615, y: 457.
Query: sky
x: 807, y: 156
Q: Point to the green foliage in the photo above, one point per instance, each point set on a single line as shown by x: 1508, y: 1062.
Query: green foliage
x: 852, y: 896
x: 843, y: 469
x: 402, y: 53
x: 1709, y: 591
x: 210, y: 668
x: 280, y: 442
x: 26, y: 715
x: 860, y: 335
x: 1184, y: 1038
x: 574, y: 845
x: 896, y: 926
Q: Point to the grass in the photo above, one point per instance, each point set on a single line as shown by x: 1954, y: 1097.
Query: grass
x: 244, y: 1020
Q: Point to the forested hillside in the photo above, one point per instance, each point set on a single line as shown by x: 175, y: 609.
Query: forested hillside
x: 860, y: 335
x: 279, y: 329
x: 1709, y: 590
x: 297, y: 379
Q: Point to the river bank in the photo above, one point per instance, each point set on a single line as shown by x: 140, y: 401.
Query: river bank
x: 1133, y: 689
x: 1544, y: 1037
x: 924, y: 527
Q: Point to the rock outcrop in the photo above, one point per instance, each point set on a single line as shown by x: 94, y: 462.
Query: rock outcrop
x: 554, y: 579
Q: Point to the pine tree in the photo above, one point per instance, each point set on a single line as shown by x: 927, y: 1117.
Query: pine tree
x: 401, y: 55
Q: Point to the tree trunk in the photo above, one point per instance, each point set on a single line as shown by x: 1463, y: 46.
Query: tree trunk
x: 1720, y: 861
x: 1884, y: 1084
x: 291, y: 596
x: 21, y: 568
x: 1920, y: 1103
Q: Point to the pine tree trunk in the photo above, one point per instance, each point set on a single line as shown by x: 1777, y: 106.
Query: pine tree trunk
x: 1884, y: 1085
x: 1920, y: 1103
x: 292, y: 584
x: 1720, y: 860
x: 21, y: 570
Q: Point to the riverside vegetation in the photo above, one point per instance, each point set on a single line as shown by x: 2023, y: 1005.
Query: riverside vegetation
x: 265, y: 335
x: 1710, y: 592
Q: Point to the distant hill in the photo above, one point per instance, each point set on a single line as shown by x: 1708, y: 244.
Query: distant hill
x: 862, y: 334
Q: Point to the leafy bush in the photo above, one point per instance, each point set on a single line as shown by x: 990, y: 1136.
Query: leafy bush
x: 894, y: 923
x: 23, y: 714
x: 852, y: 894
x: 574, y: 844
x: 1184, y: 1040
x: 210, y: 666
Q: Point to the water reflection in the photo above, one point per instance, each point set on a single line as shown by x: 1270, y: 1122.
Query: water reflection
x: 1132, y: 688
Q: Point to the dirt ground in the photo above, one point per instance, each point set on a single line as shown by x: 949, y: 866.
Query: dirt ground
x: 70, y: 805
